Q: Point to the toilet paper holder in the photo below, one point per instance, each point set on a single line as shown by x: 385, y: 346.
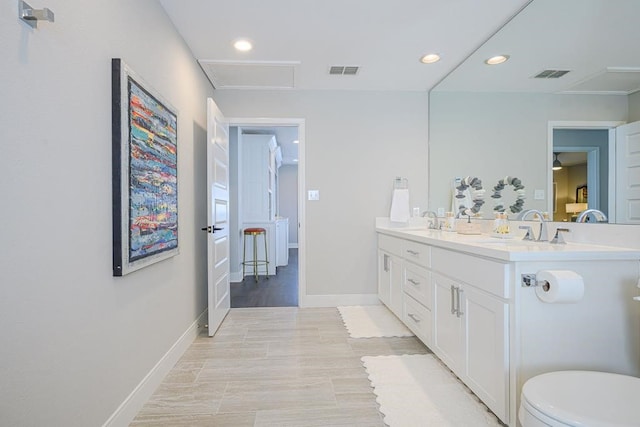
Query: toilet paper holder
x: 529, y: 280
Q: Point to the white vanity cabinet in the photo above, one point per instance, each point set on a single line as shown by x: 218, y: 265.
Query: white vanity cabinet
x: 404, y: 283
x: 465, y: 298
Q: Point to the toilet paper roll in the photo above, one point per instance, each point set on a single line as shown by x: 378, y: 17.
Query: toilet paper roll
x: 559, y: 286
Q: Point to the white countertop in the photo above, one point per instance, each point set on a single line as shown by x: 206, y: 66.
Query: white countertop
x: 514, y: 249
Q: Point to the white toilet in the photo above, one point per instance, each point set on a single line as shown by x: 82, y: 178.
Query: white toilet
x: 580, y: 398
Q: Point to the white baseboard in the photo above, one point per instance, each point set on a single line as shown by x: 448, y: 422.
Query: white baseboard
x: 338, y: 300
x: 235, y: 277
x: 127, y: 411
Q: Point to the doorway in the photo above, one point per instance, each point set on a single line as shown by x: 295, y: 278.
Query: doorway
x: 586, y: 151
x: 284, y: 286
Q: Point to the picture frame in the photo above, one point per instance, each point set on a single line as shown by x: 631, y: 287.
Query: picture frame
x: 144, y: 172
x: 582, y: 194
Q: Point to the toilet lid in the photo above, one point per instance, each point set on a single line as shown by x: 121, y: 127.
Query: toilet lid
x: 585, y: 398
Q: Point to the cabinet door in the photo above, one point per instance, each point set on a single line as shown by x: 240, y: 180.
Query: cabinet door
x: 486, y: 347
x: 390, y: 281
x: 396, y: 285
x: 448, y: 327
x: 384, y: 278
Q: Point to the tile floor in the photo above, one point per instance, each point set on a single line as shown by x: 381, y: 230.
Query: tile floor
x: 283, y: 366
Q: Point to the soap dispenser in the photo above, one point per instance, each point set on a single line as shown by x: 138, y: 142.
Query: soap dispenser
x: 501, y: 224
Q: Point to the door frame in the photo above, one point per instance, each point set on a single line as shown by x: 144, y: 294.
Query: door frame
x: 584, y: 124
x: 300, y: 124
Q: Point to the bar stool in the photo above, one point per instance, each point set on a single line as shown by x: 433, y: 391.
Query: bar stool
x: 255, y: 232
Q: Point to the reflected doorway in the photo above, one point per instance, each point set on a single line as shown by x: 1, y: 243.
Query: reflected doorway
x: 586, y: 150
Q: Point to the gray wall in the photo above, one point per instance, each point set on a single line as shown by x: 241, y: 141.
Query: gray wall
x: 634, y: 107
x: 356, y: 143
x: 75, y: 340
x: 288, y: 195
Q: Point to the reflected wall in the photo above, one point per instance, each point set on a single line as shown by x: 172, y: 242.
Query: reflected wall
x: 491, y: 135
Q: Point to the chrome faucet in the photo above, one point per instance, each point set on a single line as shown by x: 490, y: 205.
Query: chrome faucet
x: 542, y: 234
x: 591, y: 215
x: 433, y: 219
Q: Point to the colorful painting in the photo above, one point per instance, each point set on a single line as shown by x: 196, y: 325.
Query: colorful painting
x: 145, y: 173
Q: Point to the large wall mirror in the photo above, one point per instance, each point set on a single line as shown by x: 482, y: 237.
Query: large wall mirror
x: 571, y: 80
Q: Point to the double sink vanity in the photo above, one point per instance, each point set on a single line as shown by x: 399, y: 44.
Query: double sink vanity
x: 472, y: 299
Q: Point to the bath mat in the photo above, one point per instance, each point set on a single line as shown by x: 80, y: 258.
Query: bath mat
x: 419, y: 390
x: 371, y: 321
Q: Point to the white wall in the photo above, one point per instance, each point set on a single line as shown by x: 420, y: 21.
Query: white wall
x: 491, y: 135
x: 356, y: 143
x: 288, y: 195
x: 75, y: 340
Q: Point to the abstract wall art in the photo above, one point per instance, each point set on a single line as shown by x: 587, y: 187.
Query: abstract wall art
x: 145, y: 173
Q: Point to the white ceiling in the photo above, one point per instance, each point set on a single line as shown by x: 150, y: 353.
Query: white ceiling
x: 296, y: 41
x: 596, y: 40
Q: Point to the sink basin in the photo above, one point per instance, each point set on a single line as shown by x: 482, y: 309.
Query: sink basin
x: 517, y: 241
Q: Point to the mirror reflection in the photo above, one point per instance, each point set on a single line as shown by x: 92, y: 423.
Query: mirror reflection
x: 570, y: 86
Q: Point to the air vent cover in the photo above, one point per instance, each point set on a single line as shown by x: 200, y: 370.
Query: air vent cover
x: 550, y: 74
x: 344, y: 70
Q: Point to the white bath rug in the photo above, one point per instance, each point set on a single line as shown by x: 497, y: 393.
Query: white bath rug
x: 371, y: 321
x: 419, y: 390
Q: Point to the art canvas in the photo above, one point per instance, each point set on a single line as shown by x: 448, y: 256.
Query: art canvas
x: 145, y: 173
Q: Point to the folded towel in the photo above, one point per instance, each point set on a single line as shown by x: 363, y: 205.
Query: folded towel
x: 400, y: 205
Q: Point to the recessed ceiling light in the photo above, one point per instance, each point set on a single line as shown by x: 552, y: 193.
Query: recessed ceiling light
x: 495, y: 60
x: 243, y: 45
x: 295, y: 141
x: 430, y: 58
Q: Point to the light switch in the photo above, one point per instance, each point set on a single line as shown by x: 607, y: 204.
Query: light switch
x: 314, y: 195
x: 538, y: 195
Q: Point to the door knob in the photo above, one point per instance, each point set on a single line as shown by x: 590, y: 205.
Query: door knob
x: 211, y: 229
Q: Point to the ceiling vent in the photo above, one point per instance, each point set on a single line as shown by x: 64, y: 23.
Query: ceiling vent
x: 250, y: 74
x: 342, y: 70
x: 550, y: 74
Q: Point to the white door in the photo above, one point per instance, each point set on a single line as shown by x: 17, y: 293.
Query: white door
x: 628, y: 173
x: 217, y: 216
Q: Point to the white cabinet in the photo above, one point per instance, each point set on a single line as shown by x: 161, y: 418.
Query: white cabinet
x: 468, y: 304
x: 471, y: 329
x: 448, y: 334
x: 486, y: 350
x: 258, y: 171
x: 404, y: 283
x: 471, y: 337
x: 282, y: 242
x: 390, y: 273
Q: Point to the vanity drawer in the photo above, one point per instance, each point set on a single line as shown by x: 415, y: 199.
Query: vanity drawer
x: 488, y: 275
x: 417, y: 283
x: 417, y: 318
x: 390, y: 244
x: 417, y: 252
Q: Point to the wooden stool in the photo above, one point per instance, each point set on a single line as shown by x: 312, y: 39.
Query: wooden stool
x: 255, y: 232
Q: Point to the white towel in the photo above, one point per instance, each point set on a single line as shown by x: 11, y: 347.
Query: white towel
x: 400, y: 205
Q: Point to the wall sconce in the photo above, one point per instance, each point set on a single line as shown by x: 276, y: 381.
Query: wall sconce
x: 31, y: 16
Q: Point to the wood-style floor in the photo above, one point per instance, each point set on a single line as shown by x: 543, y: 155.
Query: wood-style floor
x: 280, y: 290
x: 283, y: 366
